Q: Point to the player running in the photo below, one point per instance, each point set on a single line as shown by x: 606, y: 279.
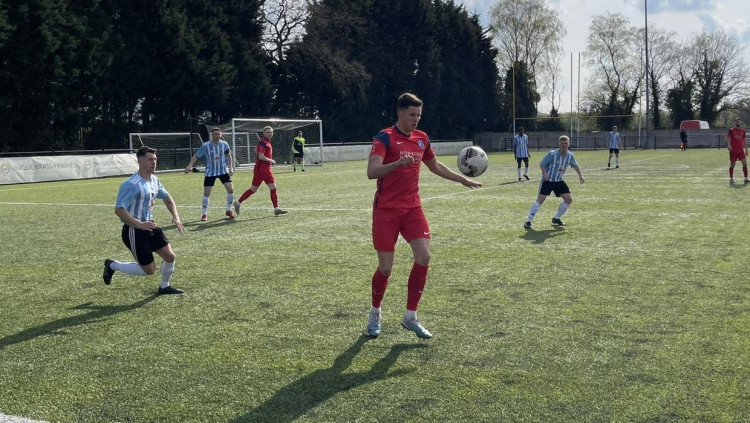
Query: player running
x: 262, y: 172
x: 219, y: 165
x: 135, y: 207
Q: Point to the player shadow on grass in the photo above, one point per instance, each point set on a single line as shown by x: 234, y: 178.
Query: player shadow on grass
x: 301, y: 396
x: 538, y: 237
x: 197, y: 225
x: 57, y: 327
x: 738, y: 185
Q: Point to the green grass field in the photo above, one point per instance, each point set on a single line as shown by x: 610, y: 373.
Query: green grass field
x: 637, y: 311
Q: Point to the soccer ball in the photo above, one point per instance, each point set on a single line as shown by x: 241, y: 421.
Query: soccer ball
x: 472, y: 161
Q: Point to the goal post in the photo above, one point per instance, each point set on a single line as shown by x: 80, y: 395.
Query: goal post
x: 174, y: 148
x: 243, y: 136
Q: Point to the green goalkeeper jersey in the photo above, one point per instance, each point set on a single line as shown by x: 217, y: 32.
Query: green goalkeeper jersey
x: 298, y: 145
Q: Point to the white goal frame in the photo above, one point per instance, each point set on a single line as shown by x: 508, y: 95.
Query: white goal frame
x: 285, y: 130
x: 176, y: 150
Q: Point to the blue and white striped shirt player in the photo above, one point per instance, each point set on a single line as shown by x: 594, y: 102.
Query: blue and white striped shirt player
x: 614, y: 140
x: 556, y: 164
x: 216, y: 157
x: 137, y: 196
x: 521, y: 146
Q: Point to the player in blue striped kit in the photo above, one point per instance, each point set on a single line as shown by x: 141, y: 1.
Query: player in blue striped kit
x: 554, y: 165
x: 614, y: 147
x: 219, y: 165
x: 135, y: 206
x: 521, y: 148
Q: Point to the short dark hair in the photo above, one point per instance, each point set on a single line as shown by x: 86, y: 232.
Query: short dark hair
x: 407, y: 100
x: 144, y: 150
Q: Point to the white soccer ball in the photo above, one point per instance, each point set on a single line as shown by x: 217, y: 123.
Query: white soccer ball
x: 472, y: 161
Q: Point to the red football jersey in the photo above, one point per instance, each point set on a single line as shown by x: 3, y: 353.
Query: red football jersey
x: 737, y: 138
x: 264, y: 146
x: 400, y: 188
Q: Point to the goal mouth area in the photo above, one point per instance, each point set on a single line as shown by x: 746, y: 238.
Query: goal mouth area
x: 243, y: 135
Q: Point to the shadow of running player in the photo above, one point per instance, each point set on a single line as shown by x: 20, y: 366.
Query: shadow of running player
x: 57, y: 327
x: 297, y: 398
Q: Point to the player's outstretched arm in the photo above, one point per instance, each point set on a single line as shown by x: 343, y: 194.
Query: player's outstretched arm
x: 438, y: 168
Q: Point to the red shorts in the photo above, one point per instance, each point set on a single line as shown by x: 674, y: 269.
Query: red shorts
x: 266, y: 177
x: 736, y: 155
x: 388, y: 223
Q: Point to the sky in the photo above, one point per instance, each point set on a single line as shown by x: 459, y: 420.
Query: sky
x: 685, y: 17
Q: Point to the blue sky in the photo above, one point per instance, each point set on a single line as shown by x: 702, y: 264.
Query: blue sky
x: 684, y: 17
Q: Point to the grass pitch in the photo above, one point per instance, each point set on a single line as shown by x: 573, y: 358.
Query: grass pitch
x: 638, y: 310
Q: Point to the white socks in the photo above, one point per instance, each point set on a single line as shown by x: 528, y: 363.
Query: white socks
x: 230, y: 201
x: 204, y: 205
x: 410, y: 315
x: 561, y: 210
x: 132, y: 268
x: 532, y: 212
x: 166, y: 273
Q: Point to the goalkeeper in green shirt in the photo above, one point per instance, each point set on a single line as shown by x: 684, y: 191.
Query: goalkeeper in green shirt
x: 298, y: 151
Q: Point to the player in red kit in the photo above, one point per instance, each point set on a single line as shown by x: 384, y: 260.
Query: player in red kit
x: 262, y: 172
x: 395, y: 161
x: 737, y: 149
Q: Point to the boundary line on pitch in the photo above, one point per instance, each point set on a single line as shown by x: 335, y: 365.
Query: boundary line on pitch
x: 257, y: 208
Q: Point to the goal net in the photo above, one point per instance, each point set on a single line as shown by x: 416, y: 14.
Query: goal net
x: 243, y: 136
x: 174, y: 148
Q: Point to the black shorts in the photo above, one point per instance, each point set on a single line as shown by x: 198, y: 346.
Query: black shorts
x: 143, y: 243
x: 299, y: 155
x: 614, y: 150
x: 525, y: 160
x: 208, y: 181
x: 559, y: 188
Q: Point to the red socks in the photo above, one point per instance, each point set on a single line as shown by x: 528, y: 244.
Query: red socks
x: 744, y: 170
x: 245, y: 195
x: 274, y: 199
x: 417, y: 281
x: 379, y: 285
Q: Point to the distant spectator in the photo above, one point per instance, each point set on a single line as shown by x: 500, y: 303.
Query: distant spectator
x: 683, y: 139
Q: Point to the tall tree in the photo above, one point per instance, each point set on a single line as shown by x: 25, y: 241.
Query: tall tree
x: 663, y: 54
x: 358, y: 56
x: 719, y: 72
x: 526, y: 31
x: 521, y: 92
x: 615, y: 55
x: 680, y: 96
x: 284, y: 23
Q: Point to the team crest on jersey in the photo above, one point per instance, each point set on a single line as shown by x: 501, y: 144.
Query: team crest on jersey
x: 420, y: 143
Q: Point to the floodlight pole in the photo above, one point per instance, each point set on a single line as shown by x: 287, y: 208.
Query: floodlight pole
x: 648, y: 126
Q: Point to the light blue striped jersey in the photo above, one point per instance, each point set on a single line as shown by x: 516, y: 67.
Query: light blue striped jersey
x: 137, y: 196
x: 216, y: 157
x: 521, y: 146
x: 556, y: 164
x: 614, y: 140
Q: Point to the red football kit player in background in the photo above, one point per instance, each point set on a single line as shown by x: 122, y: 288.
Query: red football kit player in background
x: 395, y: 161
x: 737, y: 149
x: 262, y: 172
